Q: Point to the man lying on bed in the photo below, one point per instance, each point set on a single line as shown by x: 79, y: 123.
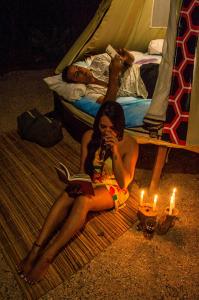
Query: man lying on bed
x: 134, y: 79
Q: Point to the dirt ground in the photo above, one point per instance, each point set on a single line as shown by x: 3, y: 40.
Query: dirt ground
x: 133, y: 267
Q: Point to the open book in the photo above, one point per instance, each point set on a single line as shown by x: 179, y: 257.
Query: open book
x: 81, y: 181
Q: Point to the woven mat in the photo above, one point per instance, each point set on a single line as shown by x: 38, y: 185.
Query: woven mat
x: 28, y: 188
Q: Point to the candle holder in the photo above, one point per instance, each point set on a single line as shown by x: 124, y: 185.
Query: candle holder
x: 147, y: 220
x: 166, y: 221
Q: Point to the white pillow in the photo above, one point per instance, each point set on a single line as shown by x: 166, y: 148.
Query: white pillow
x: 155, y: 46
x: 137, y: 55
x: 69, y: 91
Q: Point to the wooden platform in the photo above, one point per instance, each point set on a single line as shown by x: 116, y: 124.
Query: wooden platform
x: 28, y: 187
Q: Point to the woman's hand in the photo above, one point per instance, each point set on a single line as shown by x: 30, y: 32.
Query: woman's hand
x: 111, y: 140
x: 126, y: 56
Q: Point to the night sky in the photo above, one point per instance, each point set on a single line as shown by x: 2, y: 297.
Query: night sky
x: 36, y: 34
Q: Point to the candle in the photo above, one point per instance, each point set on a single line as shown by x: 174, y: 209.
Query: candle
x: 172, y: 201
x: 174, y: 197
x: 172, y: 204
x: 141, y: 197
x: 155, y: 202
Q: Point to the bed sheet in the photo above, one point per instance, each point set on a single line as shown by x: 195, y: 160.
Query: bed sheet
x: 73, y: 91
x: 134, y: 109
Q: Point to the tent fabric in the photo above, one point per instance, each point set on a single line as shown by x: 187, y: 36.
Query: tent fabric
x: 158, y: 108
x: 76, y: 50
x: 177, y: 116
x: 121, y: 23
x: 192, y: 133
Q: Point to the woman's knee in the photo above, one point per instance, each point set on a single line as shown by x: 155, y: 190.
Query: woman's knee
x: 65, y: 200
x: 83, y: 202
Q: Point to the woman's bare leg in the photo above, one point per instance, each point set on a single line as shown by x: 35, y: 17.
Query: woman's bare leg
x: 102, y: 200
x: 55, y: 217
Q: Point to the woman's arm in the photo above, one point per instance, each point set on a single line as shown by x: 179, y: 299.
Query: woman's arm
x: 123, y: 164
x: 124, y: 167
x: 84, y: 151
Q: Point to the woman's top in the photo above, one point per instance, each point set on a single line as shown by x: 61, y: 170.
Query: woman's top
x: 103, y: 175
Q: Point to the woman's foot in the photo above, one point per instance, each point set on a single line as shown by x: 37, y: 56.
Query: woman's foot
x: 39, y: 270
x: 26, y: 264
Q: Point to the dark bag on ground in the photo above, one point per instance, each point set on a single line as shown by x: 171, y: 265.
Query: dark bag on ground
x: 35, y: 127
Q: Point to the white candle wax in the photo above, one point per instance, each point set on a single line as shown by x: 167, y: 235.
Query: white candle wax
x: 174, y: 198
x: 173, y: 202
x: 171, y: 207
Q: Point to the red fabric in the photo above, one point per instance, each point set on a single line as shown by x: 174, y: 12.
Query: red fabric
x: 176, y: 125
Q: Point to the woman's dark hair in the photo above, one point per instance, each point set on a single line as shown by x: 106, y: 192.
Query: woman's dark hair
x: 115, y: 113
x: 65, y: 75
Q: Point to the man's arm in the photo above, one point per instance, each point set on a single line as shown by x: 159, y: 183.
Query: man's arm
x: 115, y: 69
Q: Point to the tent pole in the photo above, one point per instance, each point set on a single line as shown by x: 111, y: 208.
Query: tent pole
x: 157, y: 168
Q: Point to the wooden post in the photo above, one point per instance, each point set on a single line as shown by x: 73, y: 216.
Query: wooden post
x: 166, y: 221
x: 157, y: 169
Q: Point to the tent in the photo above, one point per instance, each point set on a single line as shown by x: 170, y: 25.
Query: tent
x: 121, y: 23
x: 127, y: 23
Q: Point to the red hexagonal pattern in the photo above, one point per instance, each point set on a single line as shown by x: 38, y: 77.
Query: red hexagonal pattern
x: 186, y: 5
x: 190, y: 44
x: 194, y: 16
x: 179, y: 60
x: 176, y: 125
x: 172, y: 114
x: 184, y: 28
x: 183, y: 102
x: 186, y: 73
x: 176, y: 85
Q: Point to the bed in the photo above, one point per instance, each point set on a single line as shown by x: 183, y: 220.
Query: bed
x: 72, y: 96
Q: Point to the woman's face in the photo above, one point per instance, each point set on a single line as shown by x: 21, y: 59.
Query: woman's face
x: 79, y: 75
x: 106, y: 127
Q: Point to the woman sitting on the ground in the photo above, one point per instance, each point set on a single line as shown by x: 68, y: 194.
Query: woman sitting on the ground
x: 109, y: 156
x: 135, y: 80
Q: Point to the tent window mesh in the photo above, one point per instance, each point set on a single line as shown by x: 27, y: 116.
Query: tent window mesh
x: 160, y: 13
